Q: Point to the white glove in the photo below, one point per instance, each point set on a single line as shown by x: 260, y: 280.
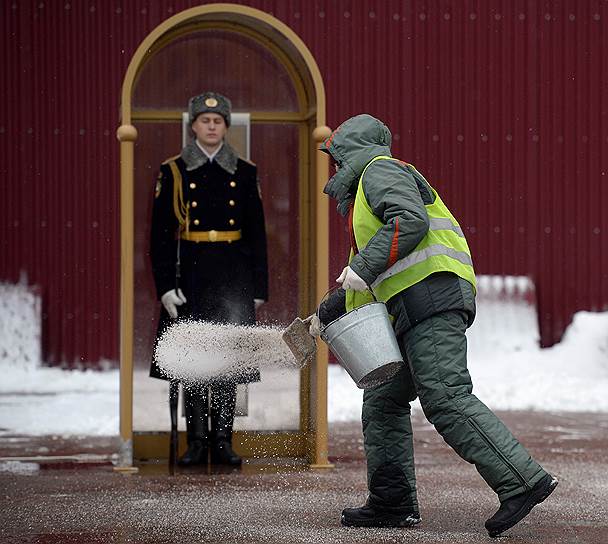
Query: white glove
x: 314, y: 328
x: 171, y: 300
x: 258, y: 302
x: 351, y: 280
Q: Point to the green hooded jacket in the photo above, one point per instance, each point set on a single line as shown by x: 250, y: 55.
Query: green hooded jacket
x: 394, y: 190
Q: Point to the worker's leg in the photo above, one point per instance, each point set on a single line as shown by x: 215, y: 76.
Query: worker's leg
x: 391, y: 480
x: 387, y: 431
x: 437, y: 353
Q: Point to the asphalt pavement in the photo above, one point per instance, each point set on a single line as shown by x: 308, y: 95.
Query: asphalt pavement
x: 56, y: 490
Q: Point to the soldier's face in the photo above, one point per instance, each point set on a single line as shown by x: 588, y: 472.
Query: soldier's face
x: 210, y: 129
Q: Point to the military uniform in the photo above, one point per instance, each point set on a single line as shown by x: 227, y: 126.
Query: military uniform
x: 220, y: 221
x: 208, y: 238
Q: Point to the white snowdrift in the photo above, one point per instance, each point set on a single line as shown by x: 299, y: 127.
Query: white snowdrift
x: 509, y: 373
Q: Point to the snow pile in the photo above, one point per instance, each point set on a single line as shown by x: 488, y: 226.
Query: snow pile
x: 190, y: 350
x: 40, y: 400
x: 570, y: 376
x: 509, y: 370
x: 52, y: 401
x: 506, y: 319
x: 19, y: 325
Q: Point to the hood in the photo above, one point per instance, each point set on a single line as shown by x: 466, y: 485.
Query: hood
x: 353, y: 145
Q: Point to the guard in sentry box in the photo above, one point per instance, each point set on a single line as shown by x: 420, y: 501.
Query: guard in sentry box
x: 208, y: 231
x: 410, y: 251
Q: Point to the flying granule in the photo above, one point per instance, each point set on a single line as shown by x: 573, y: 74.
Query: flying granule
x: 189, y: 349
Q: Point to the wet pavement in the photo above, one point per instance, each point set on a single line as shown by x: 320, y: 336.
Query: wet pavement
x: 55, y: 490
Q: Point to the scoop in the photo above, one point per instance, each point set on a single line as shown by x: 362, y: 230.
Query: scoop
x: 299, y: 340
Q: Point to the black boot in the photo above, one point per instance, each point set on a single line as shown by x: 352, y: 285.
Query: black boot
x: 516, y: 508
x: 196, y: 454
x: 197, y: 425
x: 375, y: 516
x: 223, y: 454
x: 223, y: 403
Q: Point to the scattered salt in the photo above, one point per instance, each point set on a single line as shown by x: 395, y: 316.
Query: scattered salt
x: 190, y: 350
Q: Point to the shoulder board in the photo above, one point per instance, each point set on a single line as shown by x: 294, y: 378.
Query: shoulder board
x: 247, y: 161
x: 171, y: 159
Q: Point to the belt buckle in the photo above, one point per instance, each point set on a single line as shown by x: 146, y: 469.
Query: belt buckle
x: 213, y: 235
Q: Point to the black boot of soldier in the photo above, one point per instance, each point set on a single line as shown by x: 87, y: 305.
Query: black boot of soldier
x: 196, y: 408
x: 196, y: 454
x: 223, y: 454
x: 516, y: 508
x: 370, y: 515
x: 223, y: 404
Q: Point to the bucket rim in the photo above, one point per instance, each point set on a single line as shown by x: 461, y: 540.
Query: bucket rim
x: 374, y: 302
x: 380, y: 375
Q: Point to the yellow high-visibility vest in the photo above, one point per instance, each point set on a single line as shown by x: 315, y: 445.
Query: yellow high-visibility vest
x: 443, y: 249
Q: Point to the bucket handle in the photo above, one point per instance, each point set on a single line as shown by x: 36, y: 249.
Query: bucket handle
x: 331, y: 290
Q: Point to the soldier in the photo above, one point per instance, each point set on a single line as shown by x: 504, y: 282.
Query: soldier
x: 208, y: 252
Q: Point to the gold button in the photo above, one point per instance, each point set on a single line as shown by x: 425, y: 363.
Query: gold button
x: 193, y: 186
x: 231, y: 222
x: 194, y: 203
x: 213, y: 235
x: 233, y: 184
x: 231, y: 202
x: 196, y: 222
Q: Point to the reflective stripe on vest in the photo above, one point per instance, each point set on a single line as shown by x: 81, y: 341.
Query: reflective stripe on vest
x: 443, y: 248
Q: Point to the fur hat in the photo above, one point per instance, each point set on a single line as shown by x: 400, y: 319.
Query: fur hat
x: 209, y: 102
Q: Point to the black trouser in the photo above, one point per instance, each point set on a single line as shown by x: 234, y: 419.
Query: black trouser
x: 221, y: 409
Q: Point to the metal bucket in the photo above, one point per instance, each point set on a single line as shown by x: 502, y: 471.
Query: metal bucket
x: 364, y: 343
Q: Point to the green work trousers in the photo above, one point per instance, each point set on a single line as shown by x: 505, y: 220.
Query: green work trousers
x: 436, y: 353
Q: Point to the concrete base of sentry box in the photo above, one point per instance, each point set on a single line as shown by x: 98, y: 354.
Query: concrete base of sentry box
x: 248, y: 444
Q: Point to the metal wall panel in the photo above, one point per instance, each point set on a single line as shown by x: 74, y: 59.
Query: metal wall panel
x: 498, y: 103
x: 60, y: 184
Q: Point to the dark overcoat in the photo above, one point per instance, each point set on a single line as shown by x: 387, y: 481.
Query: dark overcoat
x: 196, y: 197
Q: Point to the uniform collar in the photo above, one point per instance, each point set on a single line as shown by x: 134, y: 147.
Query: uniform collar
x: 210, y: 156
x: 194, y: 157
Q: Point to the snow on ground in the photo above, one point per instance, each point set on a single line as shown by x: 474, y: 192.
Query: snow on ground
x: 52, y: 401
x: 509, y: 373
x: 570, y: 376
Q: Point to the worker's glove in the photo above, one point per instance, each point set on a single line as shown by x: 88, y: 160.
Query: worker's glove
x: 314, y: 329
x: 351, y: 280
x: 171, y: 300
x: 258, y: 302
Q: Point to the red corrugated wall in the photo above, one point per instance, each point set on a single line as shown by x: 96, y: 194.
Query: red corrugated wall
x: 498, y: 103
